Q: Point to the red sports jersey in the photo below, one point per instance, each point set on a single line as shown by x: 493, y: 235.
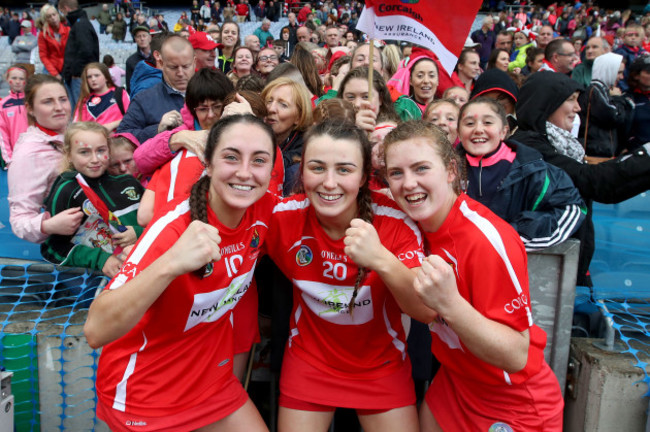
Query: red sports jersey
x: 371, y: 342
x: 176, y: 178
x: 180, y: 353
x: 490, y: 264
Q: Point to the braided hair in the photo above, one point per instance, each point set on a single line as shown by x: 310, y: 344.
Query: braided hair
x: 339, y: 130
x: 199, y: 193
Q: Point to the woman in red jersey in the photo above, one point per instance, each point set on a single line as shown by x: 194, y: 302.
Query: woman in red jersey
x: 165, y: 320
x: 472, y: 289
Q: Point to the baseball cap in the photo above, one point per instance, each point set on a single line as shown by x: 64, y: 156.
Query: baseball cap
x: 203, y: 41
x: 26, y: 24
x: 136, y: 29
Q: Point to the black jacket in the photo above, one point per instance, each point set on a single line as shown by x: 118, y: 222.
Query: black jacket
x: 608, y: 123
x: 536, y: 198
x: 608, y: 182
x: 131, y: 62
x: 82, y: 47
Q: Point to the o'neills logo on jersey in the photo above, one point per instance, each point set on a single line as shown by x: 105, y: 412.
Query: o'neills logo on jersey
x: 333, y: 256
x: 210, y: 306
x: 231, y: 249
x: 331, y: 302
x: 304, y: 256
x: 135, y: 423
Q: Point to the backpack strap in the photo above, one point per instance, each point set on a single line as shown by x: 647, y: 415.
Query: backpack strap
x: 119, y: 94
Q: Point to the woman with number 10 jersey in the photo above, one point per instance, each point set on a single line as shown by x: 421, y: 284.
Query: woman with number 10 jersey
x: 346, y: 346
x: 165, y: 320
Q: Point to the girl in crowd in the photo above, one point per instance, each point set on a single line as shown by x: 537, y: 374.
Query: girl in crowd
x: 230, y: 41
x: 370, y: 111
x: 52, y: 40
x: 536, y: 198
x: 340, y: 300
x: 493, y: 372
x: 94, y: 245
x: 444, y: 114
x: 289, y: 113
x: 36, y: 163
x: 169, y: 310
x: 13, y: 117
x: 460, y: 95
x: 243, y: 60
x: 523, y: 42
x: 267, y: 60
x: 100, y: 100
x: 499, y: 59
x: 117, y: 73
x: 121, y: 161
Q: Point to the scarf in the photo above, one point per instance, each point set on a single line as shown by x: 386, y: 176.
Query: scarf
x: 564, y: 142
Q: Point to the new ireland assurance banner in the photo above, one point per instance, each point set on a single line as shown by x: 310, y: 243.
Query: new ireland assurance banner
x: 439, y: 25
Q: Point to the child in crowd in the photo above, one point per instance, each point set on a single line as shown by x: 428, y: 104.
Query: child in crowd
x: 13, y: 116
x: 460, y: 95
x: 109, y: 204
x: 100, y: 99
x: 116, y: 72
x: 121, y: 158
x: 444, y: 114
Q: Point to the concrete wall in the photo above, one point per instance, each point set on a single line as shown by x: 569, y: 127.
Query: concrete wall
x: 608, y: 393
x: 552, y: 277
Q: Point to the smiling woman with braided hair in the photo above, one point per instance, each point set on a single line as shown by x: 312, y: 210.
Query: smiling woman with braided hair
x: 165, y: 319
x: 346, y: 346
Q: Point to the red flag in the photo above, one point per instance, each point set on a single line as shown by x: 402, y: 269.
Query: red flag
x: 441, y: 26
x: 107, y: 216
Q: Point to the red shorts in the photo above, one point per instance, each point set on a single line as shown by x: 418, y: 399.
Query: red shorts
x: 246, y: 329
x: 226, y: 401
x: 300, y: 382
x: 461, y: 405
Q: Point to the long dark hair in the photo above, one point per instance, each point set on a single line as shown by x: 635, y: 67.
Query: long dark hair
x: 336, y: 129
x: 199, y: 193
x: 386, y: 108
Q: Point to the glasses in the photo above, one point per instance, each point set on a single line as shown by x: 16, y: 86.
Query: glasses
x: 268, y: 58
x: 573, y: 54
x: 205, y: 110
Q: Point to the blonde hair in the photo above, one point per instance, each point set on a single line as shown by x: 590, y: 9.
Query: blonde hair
x: 438, y: 140
x: 436, y: 102
x: 300, y: 98
x: 69, y: 135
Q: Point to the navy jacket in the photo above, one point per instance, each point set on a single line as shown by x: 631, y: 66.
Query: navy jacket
x: 147, y: 108
x: 539, y: 200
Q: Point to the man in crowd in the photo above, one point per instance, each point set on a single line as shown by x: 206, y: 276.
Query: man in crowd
x: 504, y: 40
x: 595, y: 47
x: 158, y: 108
x: 142, y: 38
x: 303, y: 34
x: 262, y: 32
x: 204, y: 50
x: 486, y: 39
x: 332, y: 37
x: 559, y: 56
x: 252, y: 42
x: 544, y: 36
x: 82, y: 47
